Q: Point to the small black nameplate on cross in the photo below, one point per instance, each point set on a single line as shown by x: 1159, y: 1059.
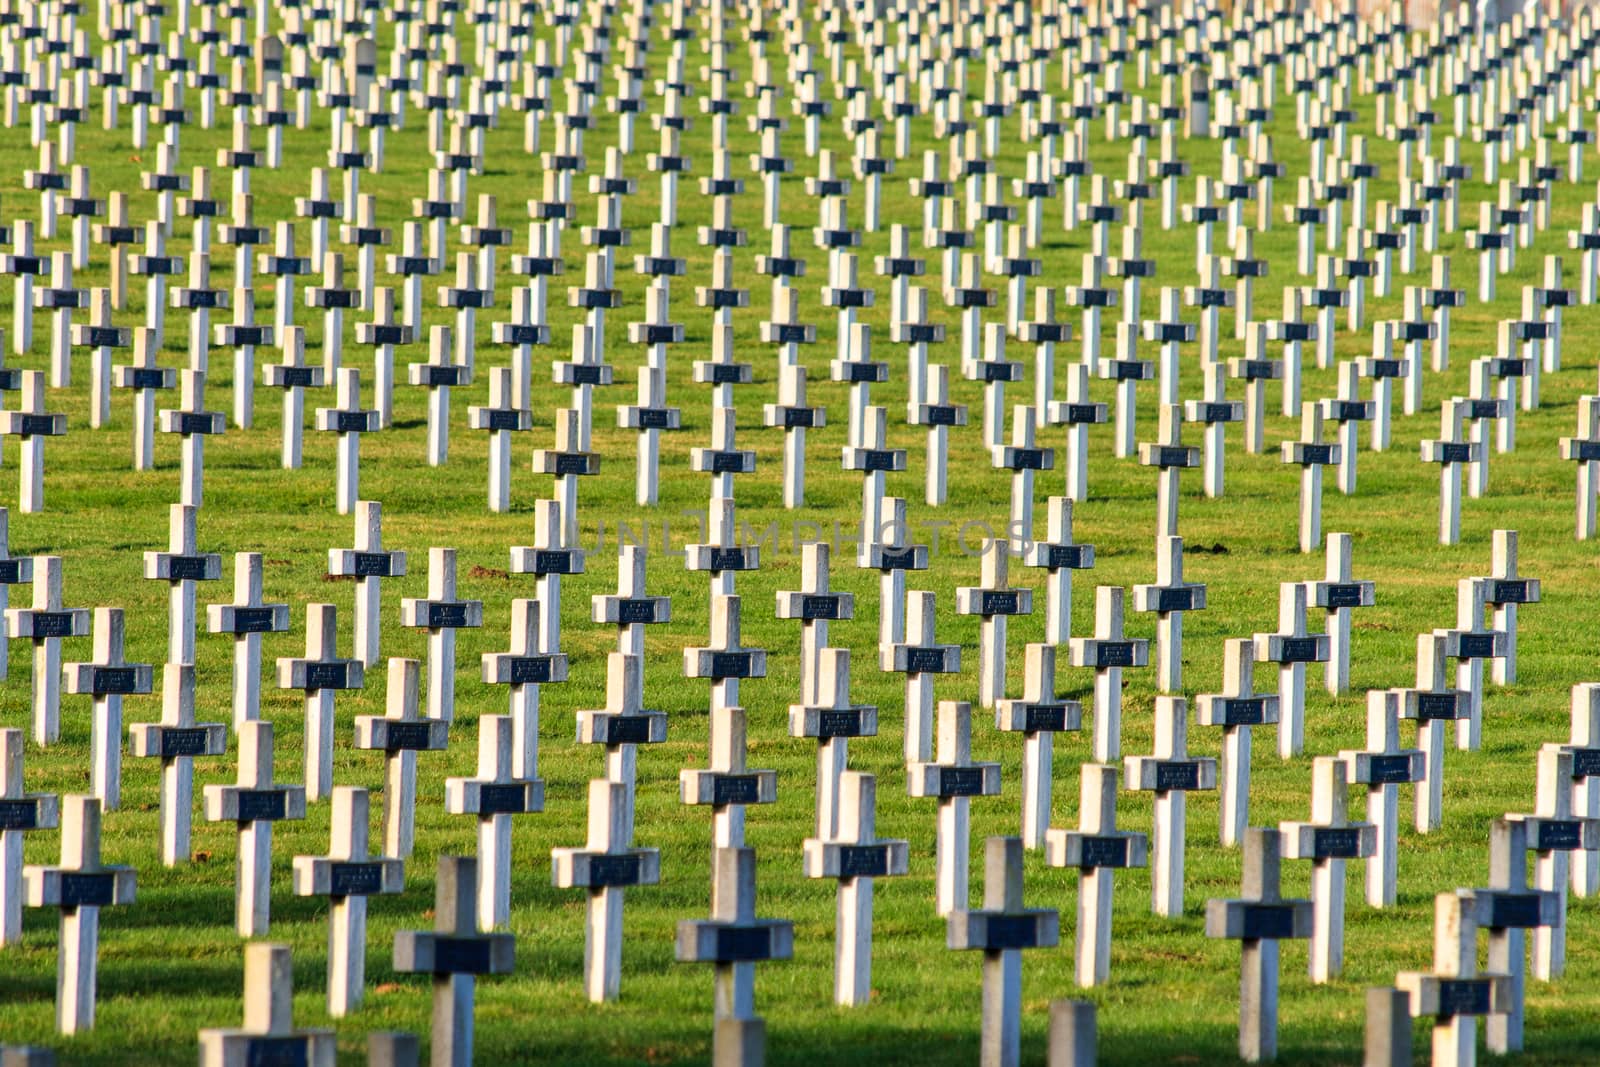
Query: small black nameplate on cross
x: 961, y: 782
x: 636, y: 611
x: 730, y: 665
x: 1103, y: 852
x: 407, y: 736
x: 446, y: 615
x: 1267, y: 922
x: 613, y: 871
x: 1558, y: 835
x: 327, y: 675
x: 51, y: 624
x: 530, y: 670
x: 262, y: 805
x: 497, y: 798
x: 863, y: 861
x: 1113, y: 654
x: 735, y: 789
x: 735, y: 943
x: 1463, y: 996
x: 1335, y: 843
x: 1179, y: 774
x: 1389, y: 770
x: 289, y: 1051
x: 19, y: 814
x: 461, y: 955
x: 845, y: 722
x: 1518, y: 911
x: 354, y: 879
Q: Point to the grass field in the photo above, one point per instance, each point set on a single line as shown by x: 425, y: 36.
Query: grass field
x: 171, y: 963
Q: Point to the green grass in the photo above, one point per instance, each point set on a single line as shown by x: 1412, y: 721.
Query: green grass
x: 171, y: 963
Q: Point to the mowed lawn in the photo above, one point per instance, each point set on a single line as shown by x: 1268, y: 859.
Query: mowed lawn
x: 171, y: 963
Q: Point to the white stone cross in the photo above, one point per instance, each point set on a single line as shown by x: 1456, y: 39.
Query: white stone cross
x: 1038, y: 715
x: 454, y: 953
x: 500, y: 419
x: 549, y: 557
x: 1507, y: 910
x: 294, y: 377
x: 1383, y: 766
x: 33, y: 425
x: 1553, y: 834
x: 1435, y: 706
x: 815, y: 605
x: 400, y: 733
x: 1470, y: 643
x: 176, y: 740
x: 181, y: 566
x: 994, y: 600
x: 144, y: 378
x: 1022, y: 458
x: 1002, y: 930
x: 1170, y: 456
x: 439, y: 374
x: 569, y: 460
x: 347, y: 875
x: 939, y: 415
x: 1097, y: 848
x: 623, y: 725
x: 254, y: 803
x: 80, y: 886
x: 383, y: 334
x: 1328, y: 840
x: 320, y: 674
x: 1258, y: 920
x: 107, y: 679
x: 247, y: 618
x: 368, y: 563
x: 60, y: 298
x: 349, y: 421
x: 1077, y: 413
x: 1337, y: 594
x: 1584, y: 450
x: 100, y: 335
x: 1452, y: 451
x: 1171, y: 773
x: 244, y: 335
x: 794, y: 417
x: 268, y: 1029
x: 953, y: 778
x: 734, y: 941
x: 45, y: 624
x: 1454, y: 993
x: 1108, y: 652
x: 524, y: 669
x: 194, y: 424
x: 1257, y: 368
x: 1504, y: 590
x: 605, y: 866
x: 334, y: 298
x: 1170, y: 597
x: 20, y: 812
x: 441, y: 614
x: 1058, y: 555
x: 832, y: 719
x: 1127, y: 370
x: 494, y: 796
x: 1214, y: 412
x: 856, y: 857
x: 1236, y: 709
x: 1291, y: 647
x: 919, y: 657
x: 1311, y: 454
